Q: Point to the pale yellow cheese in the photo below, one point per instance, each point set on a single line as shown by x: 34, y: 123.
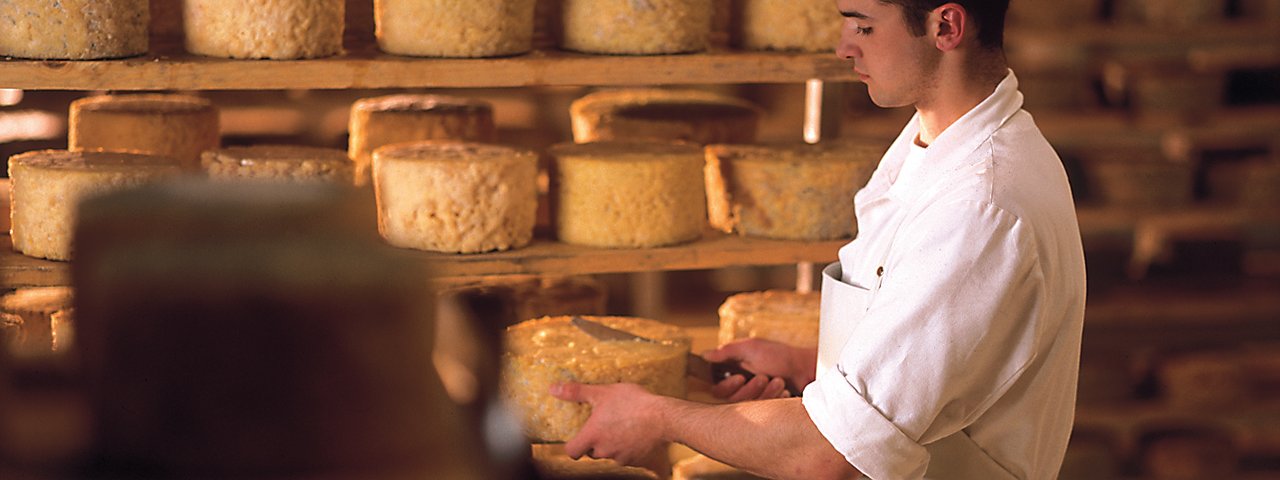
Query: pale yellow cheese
x: 663, y: 114
x: 176, y: 126
x: 73, y: 29
x: 636, y: 26
x: 787, y: 191
x: 380, y: 121
x: 35, y: 307
x: 49, y: 184
x: 625, y: 195
x: 267, y: 29
x: 455, y: 197
x: 452, y: 28
x: 551, y: 350
x: 803, y: 25
x: 784, y: 316
x: 278, y: 163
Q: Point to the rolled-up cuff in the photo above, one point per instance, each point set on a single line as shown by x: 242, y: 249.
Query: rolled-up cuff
x: 868, y: 440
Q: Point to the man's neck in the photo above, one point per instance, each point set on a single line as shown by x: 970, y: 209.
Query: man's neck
x: 959, y: 88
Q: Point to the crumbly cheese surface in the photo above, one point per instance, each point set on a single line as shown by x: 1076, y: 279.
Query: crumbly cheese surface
x: 783, y: 316
x: 663, y: 114
x: 803, y: 25
x: 266, y: 29
x: 550, y: 350
x: 454, y: 28
x: 636, y: 26
x: 49, y: 184
x: 626, y: 195
x: 177, y: 126
x: 278, y: 163
x: 787, y: 191
x: 381, y: 121
x: 73, y: 29
x: 455, y: 197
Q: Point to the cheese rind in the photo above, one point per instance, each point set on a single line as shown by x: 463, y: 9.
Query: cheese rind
x: 636, y: 27
x: 49, y: 184
x: 264, y: 29
x: 381, y: 121
x: 787, y: 191
x: 663, y: 114
x: 449, y: 28
x: 455, y: 197
x: 628, y: 194
x: 281, y: 163
x: 177, y: 126
x: 551, y: 350
x: 73, y: 29
x: 803, y: 25
x: 784, y: 316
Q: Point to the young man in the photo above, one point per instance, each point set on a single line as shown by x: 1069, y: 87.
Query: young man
x: 950, y: 332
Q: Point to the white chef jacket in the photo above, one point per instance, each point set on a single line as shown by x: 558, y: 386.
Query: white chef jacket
x: 950, y: 346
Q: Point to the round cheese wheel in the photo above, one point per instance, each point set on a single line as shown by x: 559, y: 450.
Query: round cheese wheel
x: 34, y: 307
x: 267, y: 29
x: 278, y: 163
x: 449, y: 28
x: 784, y: 316
x: 381, y: 121
x: 177, y: 126
x: 636, y: 27
x: 659, y: 114
x: 803, y: 25
x: 73, y: 29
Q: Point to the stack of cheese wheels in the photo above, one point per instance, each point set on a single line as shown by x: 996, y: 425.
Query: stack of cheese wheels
x: 689, y: 115
x: 49, y: 184
x: 628, y: 194
x: 381, y: 121
x: 804, y: 25
x: 784, y: 316
x: 787, y: 191
x: 176, y: 126
x: 636, y: 27
x: 268, y: 29
x: 73, y: 29
x: 35, y: 307
x: 455, y: 197
x: 278, y: 163
x: 702, y: 467
x: 449, y: 28
x: 551, y: 350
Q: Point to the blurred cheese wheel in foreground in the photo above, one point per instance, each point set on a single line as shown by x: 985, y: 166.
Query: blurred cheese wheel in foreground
x: 636, y: 27
x: 804, y: 25
x: 663, y: 114
x: 381, y: 121
x: 177, y: 126
x: 451, y: 28
x: 783, y: 316
x: 48, y: 186
x: 267, y: 29
x: 628, y: 194
x: 73, y: 29
x: 281, y: 163
x: 455, y: 197
x: 551, y: 350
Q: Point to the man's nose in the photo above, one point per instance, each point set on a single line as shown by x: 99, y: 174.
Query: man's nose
x: 847, y: 48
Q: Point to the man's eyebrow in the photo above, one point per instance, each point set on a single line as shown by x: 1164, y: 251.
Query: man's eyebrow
x: 854, y: 14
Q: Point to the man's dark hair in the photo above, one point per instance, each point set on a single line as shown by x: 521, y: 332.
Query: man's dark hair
x: 988, y: 15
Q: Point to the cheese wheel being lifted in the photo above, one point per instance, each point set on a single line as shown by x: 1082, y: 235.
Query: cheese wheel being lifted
x: 663, y: 114
x: 636, y: 27
x: 176, y: 126
x: 803, y: 25
x: 784, y: 316
x: 455, y: 197
x: 551, y: 350
x: 787, y: 191
x: 450, y: 28
x: 282, y: 163
x: 628, y: 194
x: 73, y: 29
x: 268, y: 29
x: 49, y: 184
x: 380, y: 121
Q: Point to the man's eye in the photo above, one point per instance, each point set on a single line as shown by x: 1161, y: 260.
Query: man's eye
x: 863, y: 30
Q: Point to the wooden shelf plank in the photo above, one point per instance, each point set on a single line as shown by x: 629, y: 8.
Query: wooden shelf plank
x: 368, y: 69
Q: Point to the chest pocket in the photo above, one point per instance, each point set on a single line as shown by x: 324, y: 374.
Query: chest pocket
x: 843, y: 306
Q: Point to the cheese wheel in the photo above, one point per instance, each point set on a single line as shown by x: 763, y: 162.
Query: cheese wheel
x: 64, y: 330
x: 689, y: 115
x: 702, y: 467
x: 551, y: 350
x: 787, y: 191
x: 625, y: 195
x: 176, y: 126
x: 278, y: 163
x: 49, y: 184
x: 803, y: 25
x: 450, y: 28
x: 1205, y: 379
x: 35, y: 307
x: 73, y: 29
x: 269, y: 29
x: 381, y: 121
x: 537, y: 297
x: 784, y: 316
x: 455, y: 197
x: 636, y: 27
x: 552, y: 463
x: 1139, y: 178
x: 12, y: 337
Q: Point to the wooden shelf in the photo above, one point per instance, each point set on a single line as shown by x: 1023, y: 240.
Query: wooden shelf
x: 715, y: 250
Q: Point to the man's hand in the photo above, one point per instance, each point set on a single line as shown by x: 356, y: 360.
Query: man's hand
x: 772, y: 362
x: 625, y: 423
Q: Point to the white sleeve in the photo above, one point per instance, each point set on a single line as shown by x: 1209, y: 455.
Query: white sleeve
x: 950, y: 328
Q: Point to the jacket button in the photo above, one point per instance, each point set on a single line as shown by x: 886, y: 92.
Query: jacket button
x: 879, y: 271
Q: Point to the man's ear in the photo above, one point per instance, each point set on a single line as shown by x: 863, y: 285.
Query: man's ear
x: 949, y: 22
